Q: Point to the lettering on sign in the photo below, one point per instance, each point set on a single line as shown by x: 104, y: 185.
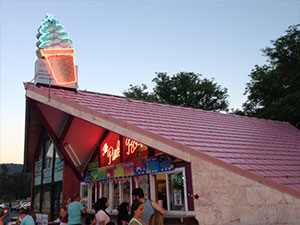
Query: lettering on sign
x: 132, y: 146
x: 111, y: 153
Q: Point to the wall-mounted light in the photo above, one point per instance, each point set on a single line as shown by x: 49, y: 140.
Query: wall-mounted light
x: 72, y: 154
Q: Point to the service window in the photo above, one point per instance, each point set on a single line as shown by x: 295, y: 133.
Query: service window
x: 170, y: 190
x: 126, y: 191
x: 116, y: 200
x: 176, y: 192
x: 143, y: 182
x: 84, y: 190
x: 161, y: 189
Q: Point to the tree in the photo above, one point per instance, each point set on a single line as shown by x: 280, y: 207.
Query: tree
x: 15, y: 186
x: 184, y: 89
x: 274, y: 89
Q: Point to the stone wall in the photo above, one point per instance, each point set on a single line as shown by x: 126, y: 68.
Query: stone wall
x: 228, y: 198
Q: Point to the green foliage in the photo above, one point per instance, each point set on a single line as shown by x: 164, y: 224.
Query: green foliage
x: 274, y: 89
x: 15, y: 186
x: 184, y: 89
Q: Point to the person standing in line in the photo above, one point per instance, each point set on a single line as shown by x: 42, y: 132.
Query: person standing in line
x: 150, y: 206
x: 102, y: 216
x: 137, y: 211
x: 91, y: 220
x: 26, y: 218
x: 156, y: 219
x: 64, y: 211
x: 123, y: 215
x: 75, y: 210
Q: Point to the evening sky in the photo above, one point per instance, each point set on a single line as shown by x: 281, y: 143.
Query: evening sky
x: 122, y: 42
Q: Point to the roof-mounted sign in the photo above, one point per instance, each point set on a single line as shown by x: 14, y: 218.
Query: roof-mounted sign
x: 55, y: 55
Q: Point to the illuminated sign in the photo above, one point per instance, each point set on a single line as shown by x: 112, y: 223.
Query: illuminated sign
x: 115, y: 149
x: 131, y: 146
x: 61, y: 64
x: 110, y: 152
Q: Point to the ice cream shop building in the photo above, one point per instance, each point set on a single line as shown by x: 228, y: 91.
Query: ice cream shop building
x: 218, y: 168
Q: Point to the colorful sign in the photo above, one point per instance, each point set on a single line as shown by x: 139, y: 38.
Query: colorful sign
x: 110, y: 150
x: 131, y: 146
x: 119, y: 171
x: 110, y: 173
x: 152, y: 165
x: 94, y: 175
x: 101, y: 174
x: 165, y: 163
x: 55, y: 64
x: 140, y: 167
x: 128, y: 169
x: 93, y: 165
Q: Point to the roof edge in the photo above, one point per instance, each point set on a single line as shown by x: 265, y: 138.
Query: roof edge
x: 171, y: 147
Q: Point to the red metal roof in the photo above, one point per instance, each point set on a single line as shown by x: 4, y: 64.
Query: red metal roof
x: 265, y: 148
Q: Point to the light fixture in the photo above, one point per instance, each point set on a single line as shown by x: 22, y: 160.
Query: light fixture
x: 72, y: 154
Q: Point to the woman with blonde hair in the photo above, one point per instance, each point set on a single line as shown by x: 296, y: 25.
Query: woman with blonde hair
x: 156, y: 219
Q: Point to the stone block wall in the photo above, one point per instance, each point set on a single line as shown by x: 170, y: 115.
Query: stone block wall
x: 226, y: 198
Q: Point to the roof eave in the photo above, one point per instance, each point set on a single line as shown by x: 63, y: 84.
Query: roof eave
x: 148, y: 138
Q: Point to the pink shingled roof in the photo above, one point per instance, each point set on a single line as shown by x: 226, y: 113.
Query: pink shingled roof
x: 266, y: 148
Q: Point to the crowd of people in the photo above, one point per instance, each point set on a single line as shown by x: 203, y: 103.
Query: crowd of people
x: 142, y: 212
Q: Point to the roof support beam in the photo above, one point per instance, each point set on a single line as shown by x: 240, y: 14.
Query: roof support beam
x: 66, y: 129
x: 54, y: 137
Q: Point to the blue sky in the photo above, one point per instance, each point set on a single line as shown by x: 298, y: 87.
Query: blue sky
x: 122, y: 42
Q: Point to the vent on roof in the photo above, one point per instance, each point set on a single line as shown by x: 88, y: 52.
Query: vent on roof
x: 55, y: 56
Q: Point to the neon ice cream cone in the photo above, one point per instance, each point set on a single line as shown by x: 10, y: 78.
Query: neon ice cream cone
x: 55, y: 63
x: 61, y: 64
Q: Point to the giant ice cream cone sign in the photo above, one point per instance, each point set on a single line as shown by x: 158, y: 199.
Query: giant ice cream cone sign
x: 55, y: 63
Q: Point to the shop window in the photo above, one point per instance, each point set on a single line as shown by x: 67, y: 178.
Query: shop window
x: 143, y: 182
x: 161, y: 187
x: 46, y: 199
x: 36, y: 200
x: 84, y: 189
x: 94, y: 194
x: 48, y: 175
x: 116, y: 199
x: 58, y: 168
x: 126, y: 193
x: 170, y: 190
x: 176, y: 191
x: 48, y: 162
x: 104, y: 189
x: 57, y: 199
x: 38, y: 172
